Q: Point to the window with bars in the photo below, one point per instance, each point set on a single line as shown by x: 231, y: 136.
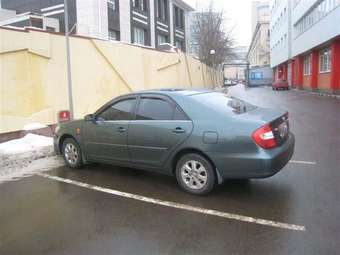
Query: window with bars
x: 307, y: 67
x: 161, y: 39
x: 325, y: 61
x: 138, y: 36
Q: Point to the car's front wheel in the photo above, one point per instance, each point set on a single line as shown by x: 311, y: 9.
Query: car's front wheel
x: 72, y: 153
x: 195, y: 174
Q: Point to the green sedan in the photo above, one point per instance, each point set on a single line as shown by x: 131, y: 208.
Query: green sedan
x: 200, y: 136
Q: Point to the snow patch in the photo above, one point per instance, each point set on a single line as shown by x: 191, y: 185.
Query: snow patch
x: 16, y: 155
x: 34, y: 126
x: 14, y: 173
x: 29, y: 143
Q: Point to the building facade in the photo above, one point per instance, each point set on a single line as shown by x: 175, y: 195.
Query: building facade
x: 305, y: 43
x: 260, y: 11
x: 143, y: 22
x: 258, y: 53
x: 28, y: 19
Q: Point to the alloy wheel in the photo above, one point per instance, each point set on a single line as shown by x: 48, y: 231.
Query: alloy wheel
x: 194, y: 174
x: 71, y: 153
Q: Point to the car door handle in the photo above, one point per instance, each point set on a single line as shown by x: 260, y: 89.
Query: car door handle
x: 121, y: 130
x: 178, y: 130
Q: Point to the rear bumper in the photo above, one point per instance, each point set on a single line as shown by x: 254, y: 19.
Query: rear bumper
x: 280, y: 85
x: 262, y: 164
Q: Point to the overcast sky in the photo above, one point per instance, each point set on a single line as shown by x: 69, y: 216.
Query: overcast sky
x: 238, y: 14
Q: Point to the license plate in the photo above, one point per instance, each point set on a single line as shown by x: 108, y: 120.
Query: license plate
x: 283, y: 129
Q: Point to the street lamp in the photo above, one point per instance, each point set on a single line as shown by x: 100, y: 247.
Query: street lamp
x: 213, y: 54
x: 69, y: 75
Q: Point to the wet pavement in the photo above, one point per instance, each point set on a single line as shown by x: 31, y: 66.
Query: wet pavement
x: 44, y: 216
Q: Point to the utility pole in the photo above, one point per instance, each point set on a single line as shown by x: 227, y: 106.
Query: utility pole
x: 69, y: 74
x: 213, y: 54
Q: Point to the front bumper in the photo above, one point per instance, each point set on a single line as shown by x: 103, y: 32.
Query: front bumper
x: 56, y: 146
x: 262, y: 164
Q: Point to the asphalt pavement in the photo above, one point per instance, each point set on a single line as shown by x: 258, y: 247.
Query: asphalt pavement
x: 105, y: 209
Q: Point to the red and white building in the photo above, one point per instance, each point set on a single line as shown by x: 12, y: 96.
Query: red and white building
x: 305, y: 43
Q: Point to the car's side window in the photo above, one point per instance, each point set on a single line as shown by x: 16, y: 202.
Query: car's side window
x: 179, y: 115
x: 154, y: 109
x: 121, y: 110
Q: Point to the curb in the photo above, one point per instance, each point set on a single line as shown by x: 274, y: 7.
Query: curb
x: 326, y: 95
x: 335, y: 96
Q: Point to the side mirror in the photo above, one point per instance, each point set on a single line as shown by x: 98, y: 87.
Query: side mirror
x: 89, y: 117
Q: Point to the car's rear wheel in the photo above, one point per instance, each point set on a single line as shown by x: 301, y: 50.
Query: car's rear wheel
x: 195, y: 174
x: 72, y: 153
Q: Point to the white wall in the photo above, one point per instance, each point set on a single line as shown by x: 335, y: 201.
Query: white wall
x: 322, y: 31
x: 92, y: 19
x: 301, y: 8
x: 152, y: 23
x: 6, y: 14
x: 51, y: 22
x: 280, y: 52
x: 171, y: 6
x: 124, y: 16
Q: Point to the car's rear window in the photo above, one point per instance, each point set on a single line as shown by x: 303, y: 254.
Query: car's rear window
x: 216, y: 100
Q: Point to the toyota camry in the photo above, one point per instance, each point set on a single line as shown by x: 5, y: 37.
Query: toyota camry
x: 201, y: 137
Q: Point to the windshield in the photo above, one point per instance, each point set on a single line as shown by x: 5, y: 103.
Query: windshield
x: 216, y: 100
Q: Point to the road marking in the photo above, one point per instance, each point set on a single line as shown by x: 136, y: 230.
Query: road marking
x: 178, y: 206
x: 302, y: 162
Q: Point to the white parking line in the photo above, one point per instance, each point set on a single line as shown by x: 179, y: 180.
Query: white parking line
x: 177, y: 205
x: 302, y: 162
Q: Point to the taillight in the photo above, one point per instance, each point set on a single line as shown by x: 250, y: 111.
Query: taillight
x: 264, y: 137
x: 64, y: 116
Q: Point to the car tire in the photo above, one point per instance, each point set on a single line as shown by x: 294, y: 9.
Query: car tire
x: 195, y: 174
x: 72, y: 153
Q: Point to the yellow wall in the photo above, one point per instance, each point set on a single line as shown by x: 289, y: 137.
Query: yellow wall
x: 33, y: 81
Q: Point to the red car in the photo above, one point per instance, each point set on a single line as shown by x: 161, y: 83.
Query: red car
x: 280, y: 84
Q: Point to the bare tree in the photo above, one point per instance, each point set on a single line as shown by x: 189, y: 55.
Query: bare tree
x: 212, y: 43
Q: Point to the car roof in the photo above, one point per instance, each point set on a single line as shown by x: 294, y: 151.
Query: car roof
x: 174, y: 91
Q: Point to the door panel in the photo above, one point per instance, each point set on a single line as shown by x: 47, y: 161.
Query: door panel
x: 106, y: 140
x: 105, y: 137
x: 150, y: 142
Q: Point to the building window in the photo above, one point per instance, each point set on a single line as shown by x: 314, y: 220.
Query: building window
x: 325, y: 61
x: 179, y: 44
x: 161, y: 39
x: 34, y: 22
x: 111, y: 4
x: 141, y: 5
x: 138, y: 36
x: 315, y: 14
x: 307, y: 65
x: 179, y: 17
x: 162, y: 9
x: 114, y: 35
x: 50, y: 29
